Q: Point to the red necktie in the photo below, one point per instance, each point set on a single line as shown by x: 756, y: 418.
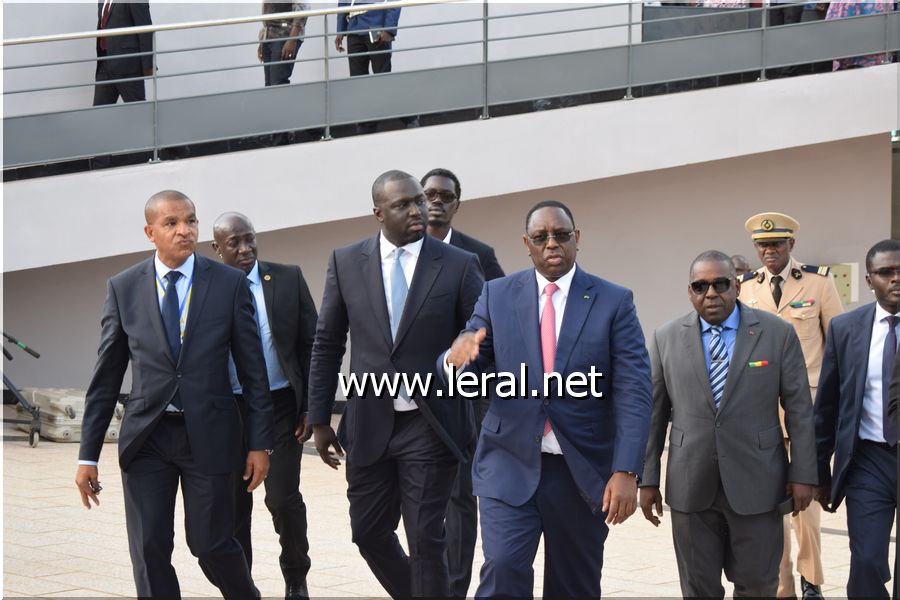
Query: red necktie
x: 548, y: 336
x: 104, y: 19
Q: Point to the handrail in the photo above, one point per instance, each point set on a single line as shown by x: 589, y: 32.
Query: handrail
x: 80, y: 35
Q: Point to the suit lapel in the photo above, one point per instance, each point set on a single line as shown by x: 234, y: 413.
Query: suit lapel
x: 692, y: 344
x: 370, y: 269
x: 860, y: 340
x: 199, y: 288
x: 427, y: 268
x: 578, y: 306
x: 748, y: 334
x: 456, y: 239
x: 151, y: 297
x: 526, y: 307
x: 268, y: 286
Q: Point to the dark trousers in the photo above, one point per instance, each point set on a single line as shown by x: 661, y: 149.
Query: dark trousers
x: 573, y: 540
x: 411, y: 480
x: 871, y: 493
x: 783, y: 15
x: 461, y: 524
x: 748, y: 548
x: 359, y: 65
x: 108, y: 93
x: 150, y: 484
x: 277, y: 74
x: 283, y: 497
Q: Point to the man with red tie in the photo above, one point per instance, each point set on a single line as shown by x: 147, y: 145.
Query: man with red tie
x: 114, y: 14
x: 552, y: 463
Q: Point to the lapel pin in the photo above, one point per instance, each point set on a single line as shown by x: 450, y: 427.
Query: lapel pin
x: 751, y: 332
x: 586, y: 297
x: 267, y: 277
x: 758, y: 363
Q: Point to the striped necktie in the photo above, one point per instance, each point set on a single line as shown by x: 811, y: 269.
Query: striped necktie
x: 718, y: 364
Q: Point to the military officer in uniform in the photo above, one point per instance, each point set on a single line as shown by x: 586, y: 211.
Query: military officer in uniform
x: 806, y: 297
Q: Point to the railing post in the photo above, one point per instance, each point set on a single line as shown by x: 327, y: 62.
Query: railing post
x: 485, y: 111
x: 327, y: 135
x: 628, y: 95
x: 764, y: 18
x: 154, y: 80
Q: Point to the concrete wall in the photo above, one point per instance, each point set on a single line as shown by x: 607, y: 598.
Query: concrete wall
x: 640, y: 230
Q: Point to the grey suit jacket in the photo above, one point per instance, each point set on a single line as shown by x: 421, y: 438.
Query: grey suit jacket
x: 741, y: 443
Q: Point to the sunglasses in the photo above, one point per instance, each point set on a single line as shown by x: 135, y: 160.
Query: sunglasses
x: 561, y: 237
x: 886, y: 272
x: 444, y: 196
x: 720, y: 285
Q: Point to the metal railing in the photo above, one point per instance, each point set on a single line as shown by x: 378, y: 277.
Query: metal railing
x: 728, y: 42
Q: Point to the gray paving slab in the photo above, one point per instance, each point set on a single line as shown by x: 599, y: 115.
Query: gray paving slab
x: 54, y: 547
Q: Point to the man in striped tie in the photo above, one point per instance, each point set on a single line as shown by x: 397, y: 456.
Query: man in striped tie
x: 718, y: 374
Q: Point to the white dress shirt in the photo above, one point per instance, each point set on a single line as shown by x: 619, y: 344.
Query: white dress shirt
x: 408, y: 262
x: 870, y: 423
x: 549, y: 443
x: 449, y: 233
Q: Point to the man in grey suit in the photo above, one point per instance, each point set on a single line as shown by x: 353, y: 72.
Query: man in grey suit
x: 718, y: 373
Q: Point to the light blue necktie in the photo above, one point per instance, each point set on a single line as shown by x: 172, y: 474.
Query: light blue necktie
x: 398, y: 292
x: 718, y: 364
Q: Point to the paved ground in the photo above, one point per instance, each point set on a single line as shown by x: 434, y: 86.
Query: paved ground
x: 54, y: 547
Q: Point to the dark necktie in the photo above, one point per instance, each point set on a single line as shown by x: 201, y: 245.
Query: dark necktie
x: 172, y: 323
x: 718, y: 364
x: 776, y: 289
x: 104, y: 19
x: 887, y: 367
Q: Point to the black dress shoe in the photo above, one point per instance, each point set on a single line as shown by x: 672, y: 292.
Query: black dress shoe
x: 809, y: 590
x: 296, y: 590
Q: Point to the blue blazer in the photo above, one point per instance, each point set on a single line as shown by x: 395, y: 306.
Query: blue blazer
x: 598, y: 435
x: 839, y: 397
x: 370, y: 19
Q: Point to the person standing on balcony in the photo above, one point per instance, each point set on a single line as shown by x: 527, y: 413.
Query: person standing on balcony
x: 280, y: 40
x: 113, y: 14
x: 360, y: 43
x: 804, y: 296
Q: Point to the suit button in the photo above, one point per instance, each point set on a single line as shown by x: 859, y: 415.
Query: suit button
x: 715, y: 456
x: 537, y: 439
x: 178, y: 375
x: 546, y: 402
x: 718, y: 424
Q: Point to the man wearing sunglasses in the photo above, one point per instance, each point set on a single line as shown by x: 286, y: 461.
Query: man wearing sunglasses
x: 805, y: 296
x: 442, y: 191
x: 718, y: 374
x: 854, y: 424
x: 550, y: 463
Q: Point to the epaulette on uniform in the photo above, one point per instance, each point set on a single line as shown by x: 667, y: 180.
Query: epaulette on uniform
x: 747, y: 276
x: 823, y: 270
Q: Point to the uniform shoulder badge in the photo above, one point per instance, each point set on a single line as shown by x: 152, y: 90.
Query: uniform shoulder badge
x: 823, y: 270
x: 746, y: 276
x: 796, y: 274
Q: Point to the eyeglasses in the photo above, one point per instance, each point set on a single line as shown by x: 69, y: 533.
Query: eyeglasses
x: 886, y: 272
x: 445, y: 196
x: 720, y: 285
x: 561, y: 237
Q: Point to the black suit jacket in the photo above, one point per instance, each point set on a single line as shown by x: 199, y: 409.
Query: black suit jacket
x: 445, y: 287
x: 127, y: 14
x: 220, y: 319
x: 292, y: 320
x: 839, y: 397
x: 485, y: 253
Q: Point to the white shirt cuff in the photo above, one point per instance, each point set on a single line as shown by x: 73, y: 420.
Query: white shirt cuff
x: 90, y: 463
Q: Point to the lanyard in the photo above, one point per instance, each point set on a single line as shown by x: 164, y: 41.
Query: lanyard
x: 185, y: 302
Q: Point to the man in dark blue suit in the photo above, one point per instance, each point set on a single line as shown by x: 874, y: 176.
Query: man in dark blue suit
x: 853, y: 424
x: 175, y: 317
x: 402, y: 296
x: 554, y: 463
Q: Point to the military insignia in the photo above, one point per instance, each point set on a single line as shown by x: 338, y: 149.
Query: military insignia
x: 823, y: 270
x: 758, y: 363
x: 267, y: 277
x: 760, y: 278
x: 746, y: 276
x: 802, y: 303
x: 796, y: 274
x: 751, y: 301
x: 768, y: 224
